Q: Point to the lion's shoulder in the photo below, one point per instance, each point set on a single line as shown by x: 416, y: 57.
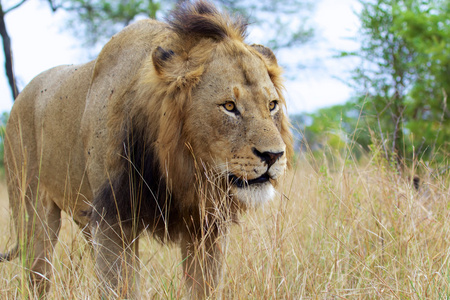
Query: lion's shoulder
x: 125, y: 51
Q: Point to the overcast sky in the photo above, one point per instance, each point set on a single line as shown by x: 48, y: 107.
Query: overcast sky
x: 39, y: 42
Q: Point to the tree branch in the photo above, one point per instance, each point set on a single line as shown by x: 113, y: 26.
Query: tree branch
x: 8, y: 55
x: 14, y: 7
x: 53, y: 6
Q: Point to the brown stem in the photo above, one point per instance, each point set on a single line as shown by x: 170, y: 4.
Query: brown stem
x: 8, y: 54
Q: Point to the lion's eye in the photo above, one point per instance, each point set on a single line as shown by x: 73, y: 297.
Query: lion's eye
x: 230, y: 106
x: 273, y: 105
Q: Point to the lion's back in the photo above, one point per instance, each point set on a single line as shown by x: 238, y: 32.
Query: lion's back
x: 43, y: 132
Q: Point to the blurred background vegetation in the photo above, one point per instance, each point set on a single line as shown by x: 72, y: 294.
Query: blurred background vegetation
x: 400, y: 88
x: 399, y: 104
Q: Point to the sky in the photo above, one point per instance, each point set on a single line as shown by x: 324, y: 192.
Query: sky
x: 39, y: 42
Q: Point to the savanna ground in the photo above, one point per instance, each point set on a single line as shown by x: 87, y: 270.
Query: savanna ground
x: 342, y: 230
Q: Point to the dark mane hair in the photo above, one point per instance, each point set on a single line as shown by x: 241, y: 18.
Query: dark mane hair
x: 202, y: 19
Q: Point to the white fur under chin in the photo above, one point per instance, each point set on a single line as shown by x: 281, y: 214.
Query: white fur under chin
x: 254, y: 195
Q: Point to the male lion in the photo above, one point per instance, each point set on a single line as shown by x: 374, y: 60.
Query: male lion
x: 175, y: 128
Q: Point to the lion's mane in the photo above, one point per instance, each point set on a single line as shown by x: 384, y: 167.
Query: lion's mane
x: 149, y: 155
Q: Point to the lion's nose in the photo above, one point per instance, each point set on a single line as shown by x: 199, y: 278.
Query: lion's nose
x: 268, y: 157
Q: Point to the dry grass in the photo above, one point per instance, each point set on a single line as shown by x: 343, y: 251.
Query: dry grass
x: 343, y: 231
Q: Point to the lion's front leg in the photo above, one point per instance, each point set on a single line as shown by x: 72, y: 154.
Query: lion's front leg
x: 116, y: 250
x: 203, y: 264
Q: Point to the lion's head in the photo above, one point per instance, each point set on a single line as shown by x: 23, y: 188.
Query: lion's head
x: 221, y: 104
x: 236, y: 116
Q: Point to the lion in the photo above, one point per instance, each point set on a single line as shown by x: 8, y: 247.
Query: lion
x: 175, y: 129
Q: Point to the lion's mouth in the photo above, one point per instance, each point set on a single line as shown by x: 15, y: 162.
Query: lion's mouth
x: 240, y: 183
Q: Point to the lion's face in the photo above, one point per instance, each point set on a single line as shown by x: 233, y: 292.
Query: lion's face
x: 236, y: 116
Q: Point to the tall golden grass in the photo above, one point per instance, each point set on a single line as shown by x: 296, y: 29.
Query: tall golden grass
x: 339, y: 229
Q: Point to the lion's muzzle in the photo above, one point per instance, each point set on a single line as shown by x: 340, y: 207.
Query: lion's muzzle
x: 269, y: 159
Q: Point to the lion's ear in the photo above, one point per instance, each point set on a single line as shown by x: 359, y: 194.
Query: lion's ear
x: 266, y: 52
x: 160, y: 57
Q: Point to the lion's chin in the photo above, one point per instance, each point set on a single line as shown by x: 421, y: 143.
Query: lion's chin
x: 254, y: 195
